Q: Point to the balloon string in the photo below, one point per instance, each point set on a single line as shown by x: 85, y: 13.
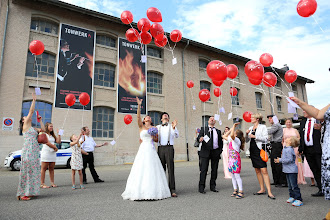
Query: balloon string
x: 268, y: 99
x: 65, y: 117
x: 35, y: 60
x: 204, y: 118
x: 138, y: 36
x: 82, y: 120
x: 192, y: 97
x: 218, y: 110
x: 320, y: 27
x: 168, y: 42
x: 121, y: 132
x: 280, y: 78
x: 274, y: 98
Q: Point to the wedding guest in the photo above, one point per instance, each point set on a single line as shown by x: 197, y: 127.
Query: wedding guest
x: 313, y: 156
x: 29, y: 176
x: 225, y: 153
x: 289, y: 131
x: 48, y: 155
x: 276, y: 135
x: 197, y: 144
x: 308, y: 172
x: 290, y: 168
x: 89, y: 146
x: 257, y: 136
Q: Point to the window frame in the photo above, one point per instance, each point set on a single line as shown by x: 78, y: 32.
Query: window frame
x: 154, y: 78
x: 208, y: 87
x: 155, y: 116
x: 45, y: 20
x: 152, y: 54
x: 205, y: 122
x: 41, y: 65
x: 98, y: 125
x: 106, y: 36
x: 235, y: 98
x: 258, y: 101
x: 97, y: 74
x: 203, y: 60
x: 279, y: 103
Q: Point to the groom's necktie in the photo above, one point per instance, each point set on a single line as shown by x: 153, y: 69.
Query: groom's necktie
x: 211, y: 136
x: 165, y: 124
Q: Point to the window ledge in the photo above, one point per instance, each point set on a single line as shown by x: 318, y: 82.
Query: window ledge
x: 102, y: 139
x: 39, y: 79
x: 155, y: 94
x: 156, y: 58
x: 106, y: 47
x: 210, y: 102
x: 44, y: 33
x: 105, y: 87
x: 260, y: 109
x: 280, y: 112
x: 237, y: 106
x: 34, y: 84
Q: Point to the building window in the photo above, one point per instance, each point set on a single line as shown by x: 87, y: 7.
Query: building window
x: 237, y: 119
x: 154, y: 52
x: 203, y: 64
x: 279, y: 103
x: 46, y: 65
x: 154, y: 84
x: 155, y: 117
x: 104, y: 75
x: 278, y: 83
x: 44, y: 26
x: 44, y: 109
x: 205, y: 120
x: 103, y: 120
x: 206, y: 85
x: 259, y: 99
x: 294, y: 88
x: 106, y: 40
x: 235, y: 99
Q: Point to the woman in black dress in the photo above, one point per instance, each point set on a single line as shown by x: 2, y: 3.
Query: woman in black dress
x: 258, y: 135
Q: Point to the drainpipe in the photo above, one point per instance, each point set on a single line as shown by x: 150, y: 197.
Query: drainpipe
x: 185, y: 101
x: 4, y: 39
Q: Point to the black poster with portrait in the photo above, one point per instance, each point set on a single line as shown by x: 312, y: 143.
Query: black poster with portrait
x: 132, y: 77
x: 75, y: 65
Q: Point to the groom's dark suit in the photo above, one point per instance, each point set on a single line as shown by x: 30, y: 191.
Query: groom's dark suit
x: 208, y: 153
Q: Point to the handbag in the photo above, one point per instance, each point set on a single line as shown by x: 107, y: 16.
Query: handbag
x: 42, y: 138
x: 263, y: 155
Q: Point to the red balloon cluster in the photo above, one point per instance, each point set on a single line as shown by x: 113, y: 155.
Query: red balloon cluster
x: 232, y: 71
x: 204, y: 95
x: 128, y: 119
x: 290, y: 76
x: 190, y: 84
x: 247, y: 116
x: 269, y: 79
x: 217, y: 92
x: 266, y: 59
x: 233, y: 91
x: 144, y: 26
x: 84, y: 98
x: 36, y: 47
x: 217, y: 70
x: 70, y: 99
x: 255, y: 72
x: 255, y: 82
x: 306, y: 8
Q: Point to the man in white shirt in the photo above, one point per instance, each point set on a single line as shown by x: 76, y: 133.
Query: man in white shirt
x: 89, y: 145
x: 166, y: 135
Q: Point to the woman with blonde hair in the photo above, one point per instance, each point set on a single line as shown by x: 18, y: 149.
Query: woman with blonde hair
x: 257, y: 135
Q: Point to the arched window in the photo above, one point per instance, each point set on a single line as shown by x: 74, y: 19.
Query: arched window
x: 155, y: 116
x: 103, y: 121
x: 44, y: 109
x: 105, y: 40
x: 43, y: 25
x: 279, y: 103
x: 46, y: 65
x: 203, y: 63
x: 104, y: 75
x: 154, y: 83
x: 206, y: 85
x: 259, y: 99
x: 154, y: 52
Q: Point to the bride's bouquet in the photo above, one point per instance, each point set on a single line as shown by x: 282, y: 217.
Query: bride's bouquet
x: 153, y: 131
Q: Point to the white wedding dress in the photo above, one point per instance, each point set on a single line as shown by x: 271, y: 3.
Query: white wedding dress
x: 147, y: 180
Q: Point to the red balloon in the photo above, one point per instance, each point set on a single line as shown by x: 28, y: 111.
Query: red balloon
x: 254, y: 70
x: 217, y: 83
x: 154, y: 14
x: 162, y: 42
x: 232, y: 71
x: 70, y: 99
x: 84, y: 98
x: 36, y: 47
x: 176, y: 36
x: 255, y: 82
x: 128, y: 119
x: 132, y: 35
x: 266, y: 59
x: 157, y: 30
x: 143, y: 25
x: 233, y: 91
x: 290, y: 76
x: 247, y: 116
x: 126, y: 17
x: 145, y: 37
x: 217, y: 92
x: 269, y: 79
x: 204, y: 95
x: 306, y: 8
x: 190, y: 84
x: 216, y: 70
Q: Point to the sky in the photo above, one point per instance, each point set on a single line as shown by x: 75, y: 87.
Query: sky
x: 248, y: 28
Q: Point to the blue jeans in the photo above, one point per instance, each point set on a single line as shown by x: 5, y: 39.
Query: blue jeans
x: 294, y: 190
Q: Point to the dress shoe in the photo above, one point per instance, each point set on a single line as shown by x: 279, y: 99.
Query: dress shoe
x: 273, y: 184
x: 203, y: 191
x: 174, y: 195
x: 319, y: 193
x: 85, y: 182
x: 99, y: 181
x: 278, y: 185
x: 284, y: 185
x: 214, y: 190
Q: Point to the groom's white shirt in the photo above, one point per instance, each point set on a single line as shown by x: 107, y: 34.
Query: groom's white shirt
x: 163, y: 134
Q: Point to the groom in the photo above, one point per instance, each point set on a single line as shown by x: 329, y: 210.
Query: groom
x: 211, y: 140
x: 166, y: 135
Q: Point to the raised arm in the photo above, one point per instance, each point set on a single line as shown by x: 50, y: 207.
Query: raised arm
x: 28, y: 119
x: 311, y: 110
x: 139, y: 102
x: 225, y: 136
x: 232, y: 131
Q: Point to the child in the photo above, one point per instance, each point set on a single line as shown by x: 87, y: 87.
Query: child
x: 76, y: 159
x: 236, y: 143
x: 291, y: 170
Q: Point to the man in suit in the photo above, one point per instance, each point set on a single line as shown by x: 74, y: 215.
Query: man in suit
x: 310, y: 138
x: 211, y: 150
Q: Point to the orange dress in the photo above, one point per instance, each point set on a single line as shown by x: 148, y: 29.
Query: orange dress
x: 289, y: 132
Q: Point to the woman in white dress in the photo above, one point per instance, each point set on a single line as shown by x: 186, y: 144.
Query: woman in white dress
x: 147, y: 179
x: 48, y: 155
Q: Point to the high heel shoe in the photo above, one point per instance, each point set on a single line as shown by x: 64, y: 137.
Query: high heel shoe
x: 24, y: 198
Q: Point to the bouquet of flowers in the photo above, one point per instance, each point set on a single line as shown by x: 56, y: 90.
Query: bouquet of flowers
x: 153, y: 131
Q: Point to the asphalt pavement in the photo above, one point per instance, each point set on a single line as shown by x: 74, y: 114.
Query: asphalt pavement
x: 104, y: 201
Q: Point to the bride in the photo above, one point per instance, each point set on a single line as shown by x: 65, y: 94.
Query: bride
x: 147, y: 180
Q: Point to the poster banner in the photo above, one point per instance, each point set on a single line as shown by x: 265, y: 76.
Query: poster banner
x: 75, y: 65
x: 132, y: 77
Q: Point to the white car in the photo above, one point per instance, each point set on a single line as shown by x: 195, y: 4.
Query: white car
x: 63, y: 156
